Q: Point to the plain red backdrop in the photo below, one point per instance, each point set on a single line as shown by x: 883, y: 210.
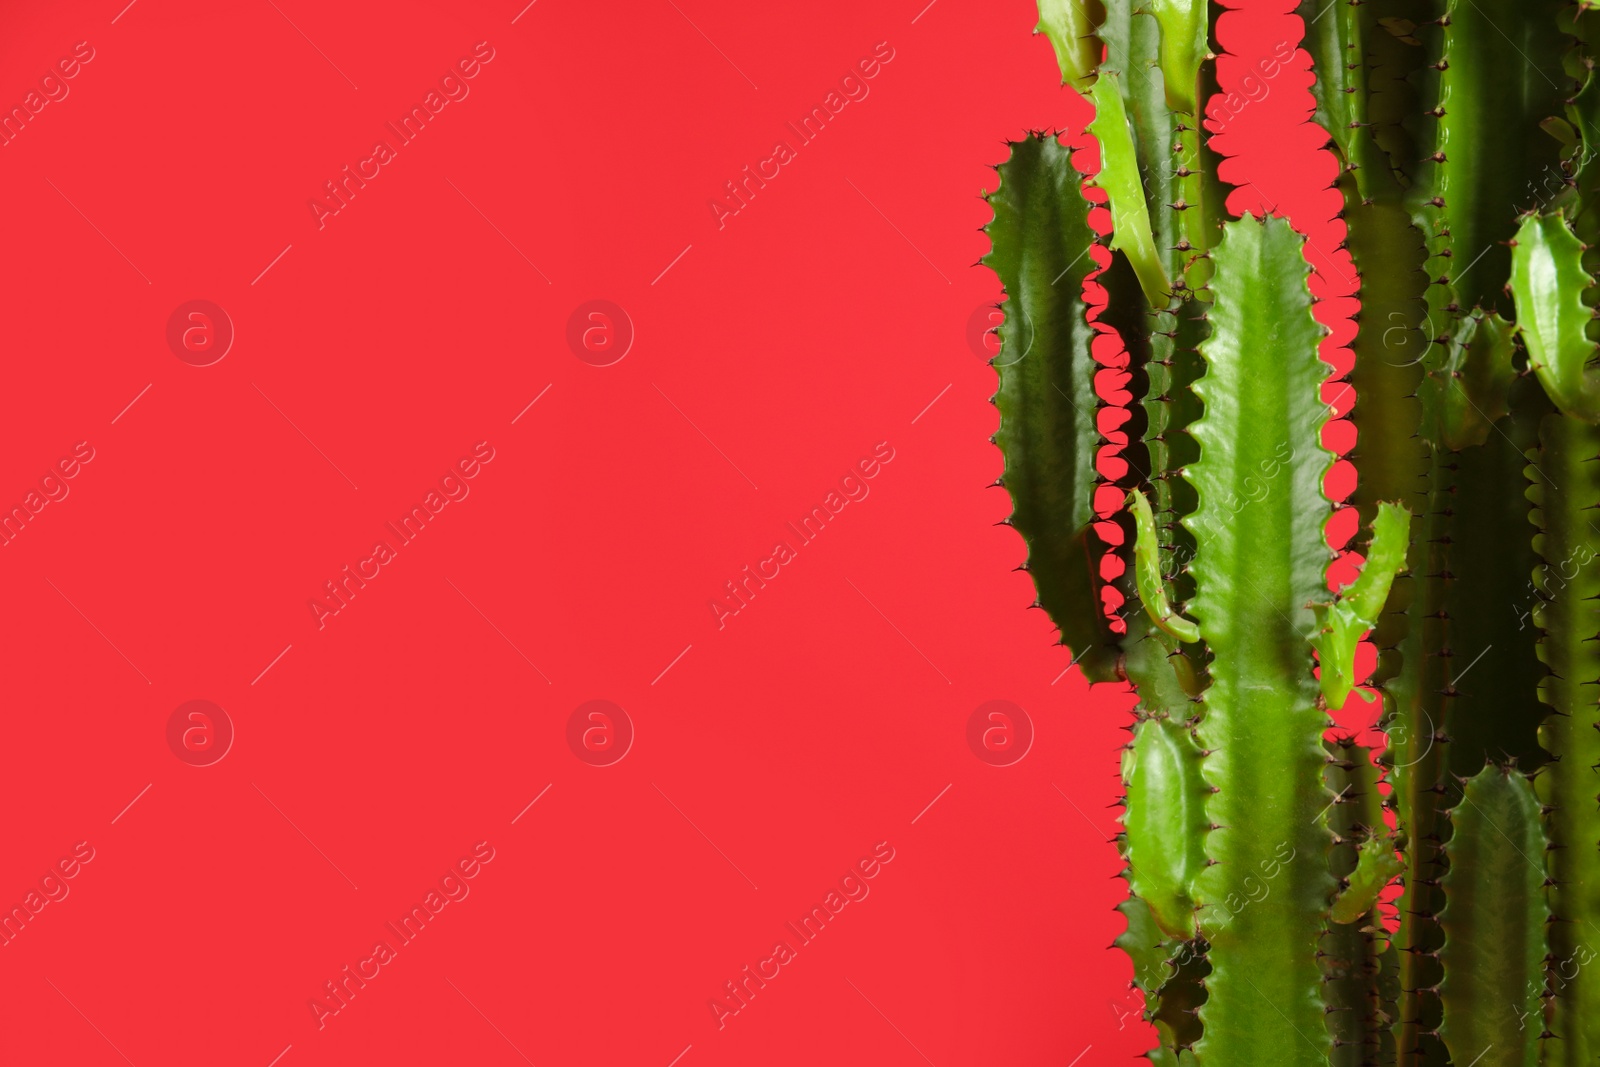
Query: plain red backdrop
x: 770, y: 356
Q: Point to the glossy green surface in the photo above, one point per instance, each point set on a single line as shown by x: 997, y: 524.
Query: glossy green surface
x: 1376, y: 868
x: 1183, y: 49
x: 1070, y: 26
x: 1147, y: 568
x: 1548, y: 282
x: 1342, y: 624
x: 1040, y: 241
x: 1259, y: 565
x: 1564, y: 477
x: 1119, y: 177
x: 1494, y: 924
x: 1165, y: 823
x: 1354, y: 951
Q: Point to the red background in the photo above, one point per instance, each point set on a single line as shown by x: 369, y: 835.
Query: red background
x: 777, y: 351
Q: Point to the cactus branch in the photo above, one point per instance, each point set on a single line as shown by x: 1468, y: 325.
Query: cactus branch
x: 1147, y: 570
x: 1343, y: 622
x: 1494, y: 925
x: 1548, y: 282
x: 1259, y: 564
x: 1119, y: 177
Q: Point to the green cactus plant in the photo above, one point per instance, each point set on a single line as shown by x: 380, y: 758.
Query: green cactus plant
x: 1297, y: 898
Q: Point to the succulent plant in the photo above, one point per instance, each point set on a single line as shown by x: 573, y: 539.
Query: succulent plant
x: 1298, y: 898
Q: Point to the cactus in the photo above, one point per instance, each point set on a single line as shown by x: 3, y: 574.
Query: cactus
x: 1261, y: 559
x: 1297, y: 898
